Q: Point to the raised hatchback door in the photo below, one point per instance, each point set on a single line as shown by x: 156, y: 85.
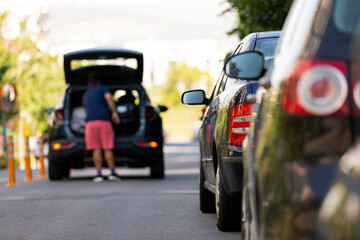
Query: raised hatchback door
x: 115, y: 65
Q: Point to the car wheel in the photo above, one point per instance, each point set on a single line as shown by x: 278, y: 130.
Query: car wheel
x: 157, y: 168
x: 55, y: 171
x: 65, y: 171
x: 228, y: 209
x: 207, y: 198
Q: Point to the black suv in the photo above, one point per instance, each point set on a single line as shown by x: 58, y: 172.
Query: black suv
x: 225, y: 124
x: 139, y: 137
x: 306, y: 115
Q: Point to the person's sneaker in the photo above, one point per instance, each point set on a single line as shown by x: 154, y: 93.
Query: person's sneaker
x: 113, y: 177
x: 98, y: 179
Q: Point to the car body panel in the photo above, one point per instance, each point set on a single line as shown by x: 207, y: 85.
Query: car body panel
x: 117, y: 74
x: 339, y: 215
x: 290, y: 160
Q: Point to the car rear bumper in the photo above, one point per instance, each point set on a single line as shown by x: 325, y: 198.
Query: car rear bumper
x: 127, y: 152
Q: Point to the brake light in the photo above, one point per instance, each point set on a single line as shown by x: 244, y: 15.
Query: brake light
x: 316, y: 87
x: 151, y: 144
x: 141, y: 143
x: 59, y: 113
x: 66, y: 145
x: 239, y: 123
x: 149, y: 111
x: 56, y: 146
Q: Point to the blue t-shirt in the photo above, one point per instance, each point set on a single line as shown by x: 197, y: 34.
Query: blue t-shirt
x: 95, y: 103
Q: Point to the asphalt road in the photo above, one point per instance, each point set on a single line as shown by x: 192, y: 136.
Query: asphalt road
x: 135, y: 208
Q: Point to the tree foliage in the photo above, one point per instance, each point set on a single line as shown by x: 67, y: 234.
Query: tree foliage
x: 182, y: 77
x: 37, y: 75
x: 258, y: 15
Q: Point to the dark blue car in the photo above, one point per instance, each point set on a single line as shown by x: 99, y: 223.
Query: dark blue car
x: 224, y: 127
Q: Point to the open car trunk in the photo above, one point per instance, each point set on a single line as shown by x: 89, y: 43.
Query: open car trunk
x: 128, y: 107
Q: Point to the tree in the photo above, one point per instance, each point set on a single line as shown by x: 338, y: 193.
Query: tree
x: 180, y: 119
x: 37, y: 75
x: 258, y: 15
x: 182, y: 77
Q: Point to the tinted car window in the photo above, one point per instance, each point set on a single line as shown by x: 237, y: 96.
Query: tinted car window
x: 246, y: 47
x: 130, y: 63
x: 223, y: 77
x: 222, y: 84
x: 346, y: 15
x: 217, y: 86
x: 267, y: 46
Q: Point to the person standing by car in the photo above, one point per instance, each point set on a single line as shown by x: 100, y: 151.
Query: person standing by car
x: 99, y: 134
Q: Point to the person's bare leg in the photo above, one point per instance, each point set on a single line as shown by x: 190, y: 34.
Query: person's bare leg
x: 97, y: 159
x: 109, y: 157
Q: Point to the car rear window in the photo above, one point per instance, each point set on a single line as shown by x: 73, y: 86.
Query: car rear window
x: 346, y: 15
x: 131, y: 63
x: 123, y: 96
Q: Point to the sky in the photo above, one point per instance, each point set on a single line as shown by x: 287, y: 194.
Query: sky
x: 110, y: 22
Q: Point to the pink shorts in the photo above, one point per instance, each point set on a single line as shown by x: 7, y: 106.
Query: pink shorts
x: 99, y: 134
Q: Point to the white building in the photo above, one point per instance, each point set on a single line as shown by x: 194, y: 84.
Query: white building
x: 32, y: 15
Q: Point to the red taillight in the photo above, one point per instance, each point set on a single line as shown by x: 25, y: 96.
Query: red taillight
x: 141, y: 143
x: 59, y: 114
x: 149, y: 111
x: 239, y: 123
x: 316, y: 87
x: 66, y: 145
x: 151, y: 144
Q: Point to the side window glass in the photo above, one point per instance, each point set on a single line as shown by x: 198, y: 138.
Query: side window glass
x: 218, y: 85
x: 246, y: 47
x: 238, y: 49
x: 226, y: 81
x: 222, y: 84
x: 223, y: 79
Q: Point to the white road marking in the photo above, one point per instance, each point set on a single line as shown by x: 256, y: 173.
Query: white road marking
x: 178, y: 192
x: 12, y: 198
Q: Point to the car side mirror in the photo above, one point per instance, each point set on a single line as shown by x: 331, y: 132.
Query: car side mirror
x: 194, y: 97
x: 162, y: 108
x: 246, y: 65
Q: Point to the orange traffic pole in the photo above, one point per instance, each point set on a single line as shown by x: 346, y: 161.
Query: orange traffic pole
x: 41, y: 160
x: 11, y: 163
x: 27, y: 161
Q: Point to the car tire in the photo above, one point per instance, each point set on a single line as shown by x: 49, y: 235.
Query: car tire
x: 55, y: 171
x: 207, y: 198
x: 228, y: 209
x: 65, y: 172
x: 157, y: 168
